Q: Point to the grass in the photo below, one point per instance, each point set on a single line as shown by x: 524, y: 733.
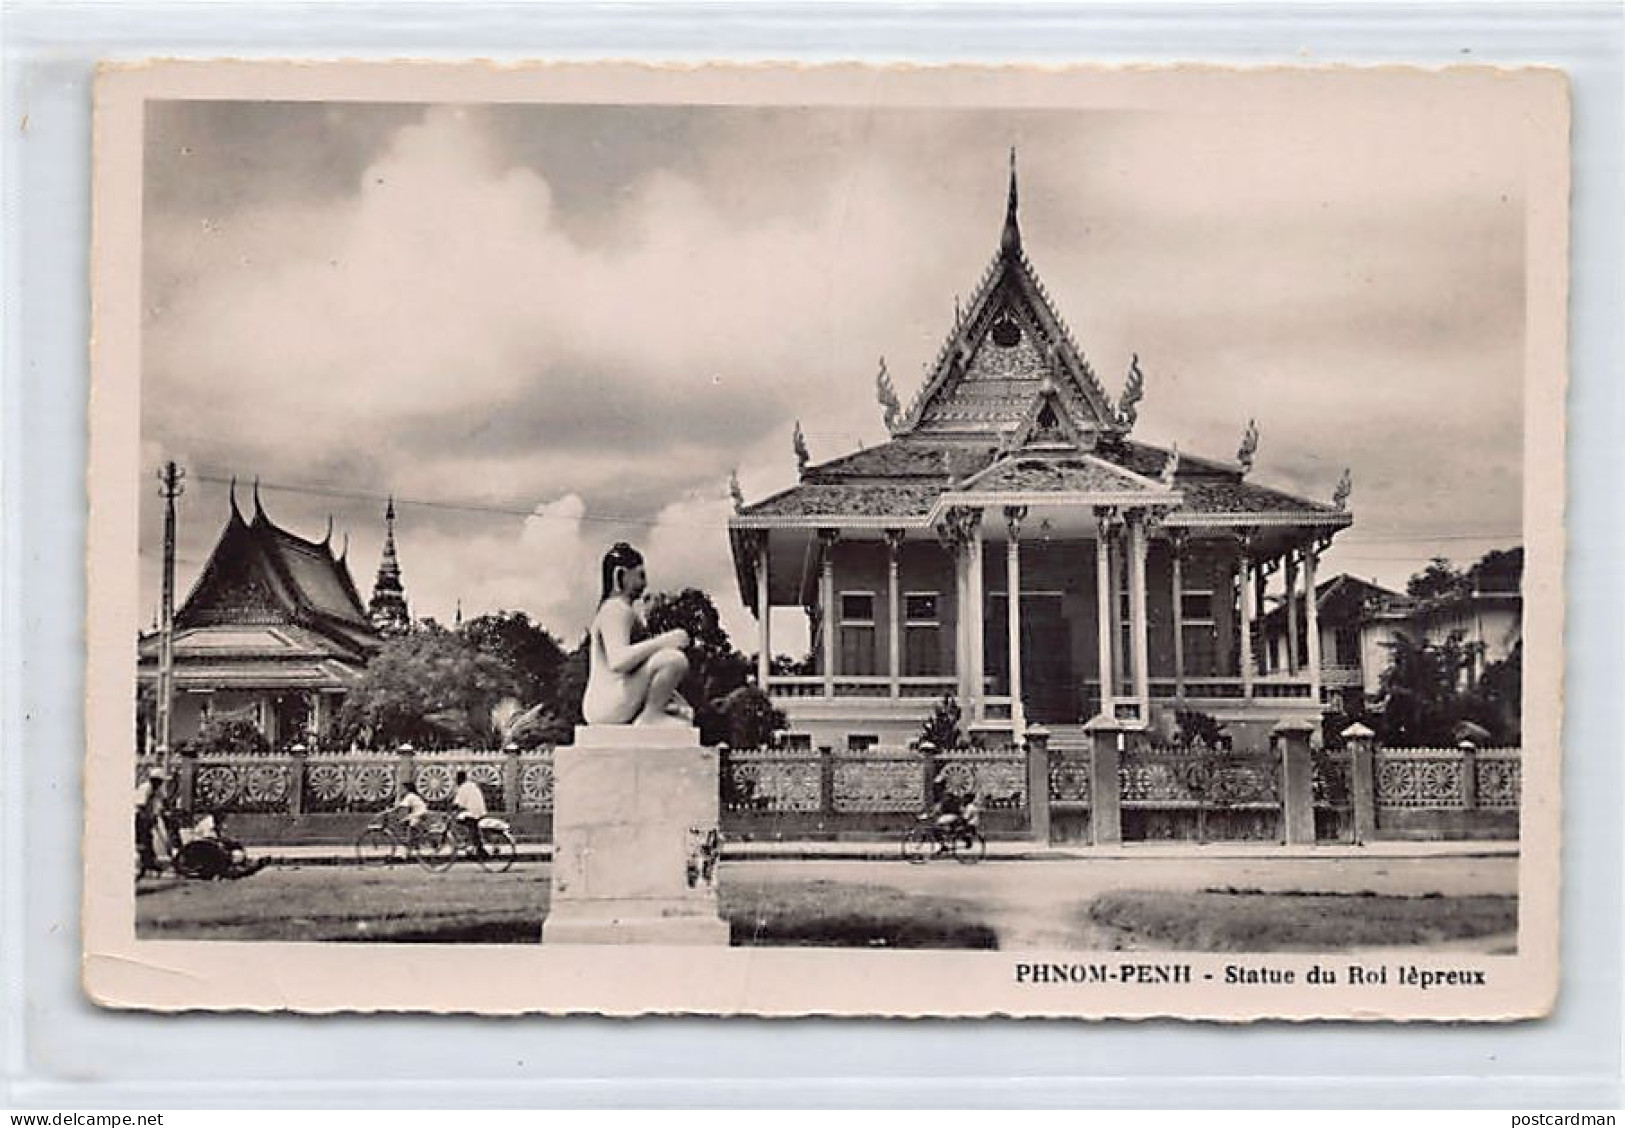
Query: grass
x: 405, y: 905
x: 1251, y: 920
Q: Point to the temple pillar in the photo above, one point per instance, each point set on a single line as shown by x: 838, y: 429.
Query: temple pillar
x: 1013, y: 516
x: 1291, y: 577
x: 1139, y: 630
x: 826, y: 599
x: 1103, y: 609
x: 1114, y: 615
x: 894, y: 639
x: 978, y: 629
x: 764, y: 615
x: 1244, y: 596
x: 1176, y: 551
x: 1311, y: 614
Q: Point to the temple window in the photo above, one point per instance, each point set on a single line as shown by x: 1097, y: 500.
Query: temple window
x: 861, y: 741
x: 922, y: 633
x: 857, y: 638
x: 1201, y: 635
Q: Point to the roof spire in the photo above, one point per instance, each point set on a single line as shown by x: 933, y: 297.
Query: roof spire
x: 388, y: 607
x: 1010, y: 241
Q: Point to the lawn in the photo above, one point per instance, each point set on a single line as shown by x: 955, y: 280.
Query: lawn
x: 1250, y: 920
x: 404, y: 905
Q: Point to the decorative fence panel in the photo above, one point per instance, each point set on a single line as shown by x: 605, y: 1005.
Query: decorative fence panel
x: 536, y: 781
x: 1421, y: 777
x: 232, y: 784
x: 356, y: 781
x: 780, y: 781
x: 436, y: 776
x: 997, y: 777
x: 1500, y: 779
x: 879, y: 779
x: 1155, y: 777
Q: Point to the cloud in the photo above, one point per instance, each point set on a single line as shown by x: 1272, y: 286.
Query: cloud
x: 590, y: 314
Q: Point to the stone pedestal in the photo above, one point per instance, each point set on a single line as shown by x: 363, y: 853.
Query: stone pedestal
x: 635, y: 839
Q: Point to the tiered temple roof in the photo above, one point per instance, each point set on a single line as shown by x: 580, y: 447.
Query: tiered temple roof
x: 270, y: 609
x: 1012, y: 407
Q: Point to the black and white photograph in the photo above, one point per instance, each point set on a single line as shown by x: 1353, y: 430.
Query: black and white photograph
x: 827, y: 540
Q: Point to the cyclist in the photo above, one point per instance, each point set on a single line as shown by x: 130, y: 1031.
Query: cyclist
x: 411, y: 807
x: 951, y: 810
x: 469, y: 803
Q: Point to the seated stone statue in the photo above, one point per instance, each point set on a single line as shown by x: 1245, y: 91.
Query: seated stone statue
x: 631, y: 682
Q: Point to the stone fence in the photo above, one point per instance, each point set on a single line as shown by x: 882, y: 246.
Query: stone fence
x: 1116, y: 785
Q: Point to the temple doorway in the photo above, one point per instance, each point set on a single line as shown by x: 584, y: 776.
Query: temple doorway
x: 1046, y: 648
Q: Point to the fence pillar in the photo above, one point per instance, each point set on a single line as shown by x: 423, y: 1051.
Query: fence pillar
x: 1297, y: 782
x: 1038, y: 784
x: 1362, y: 781
x: 510, y: 780
x: 826, y: 785
x: 1105, y: 786
x: 296, y: 780
x: 406, y: 767
x: 185, y: 780
x: 1469, y: 774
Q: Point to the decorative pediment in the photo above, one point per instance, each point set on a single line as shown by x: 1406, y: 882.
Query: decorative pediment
x: 1049, y: 425
x: 1010, y: 342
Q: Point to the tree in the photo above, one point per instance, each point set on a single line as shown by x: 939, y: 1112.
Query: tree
x: 431, y: 688
x: 715, y: 668
x: 530, y: 652
x: 1499, y: 570
x: 751, y: 718
x: 1501, y: 686
x: 236, y: 736
x: 1422, y: 699
x: 1439, y: 580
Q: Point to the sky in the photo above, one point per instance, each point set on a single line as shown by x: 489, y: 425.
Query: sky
x: 545, y: 328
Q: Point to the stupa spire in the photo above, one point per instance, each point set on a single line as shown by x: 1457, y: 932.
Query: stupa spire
x: 1010, y: 240
x: 388, y: 607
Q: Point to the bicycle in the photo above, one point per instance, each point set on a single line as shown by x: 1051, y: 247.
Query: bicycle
x: 961, y: 840
x: 388, y: 841
x: 442, y: 848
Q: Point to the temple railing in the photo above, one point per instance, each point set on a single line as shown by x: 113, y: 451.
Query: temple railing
x: 1271, y: 687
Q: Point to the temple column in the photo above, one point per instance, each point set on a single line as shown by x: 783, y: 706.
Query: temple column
x: 1139, y: 631
x: 1291, y: 576
x: 1013, y: 515
x: 764, y: 614
x: 1103, y: 610
x: 1311, y: 614
x: 1244, y: 597
x: 1260, y: 583
x: 1176, y: 551
x: 894, y: 639
x: 826, y: 598
x: 1114, y: 581
x: 978, y: 647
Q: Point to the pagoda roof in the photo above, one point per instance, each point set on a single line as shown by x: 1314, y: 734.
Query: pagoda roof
x: 909, y: 480
x: 260, y: 574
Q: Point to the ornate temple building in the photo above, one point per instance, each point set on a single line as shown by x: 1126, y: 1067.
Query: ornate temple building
x: 273, y: 631
x: 1014, y: 545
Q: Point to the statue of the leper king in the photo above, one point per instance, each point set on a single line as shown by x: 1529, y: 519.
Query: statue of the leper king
x: 631, y: 683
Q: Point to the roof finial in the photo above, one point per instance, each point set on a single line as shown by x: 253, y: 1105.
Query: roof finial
x: 345, y: 550
x: 328, y: 539
x: 887, y: 395
x: 1128, y: 408
x: 259, y: 509
x: 735, y: 492
x: 232, y: 492
x: 1249, y: 446
x: 1345, y: 486
x: 1170, y: 468
x: 798, y: 441
x: 1010, y: 241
